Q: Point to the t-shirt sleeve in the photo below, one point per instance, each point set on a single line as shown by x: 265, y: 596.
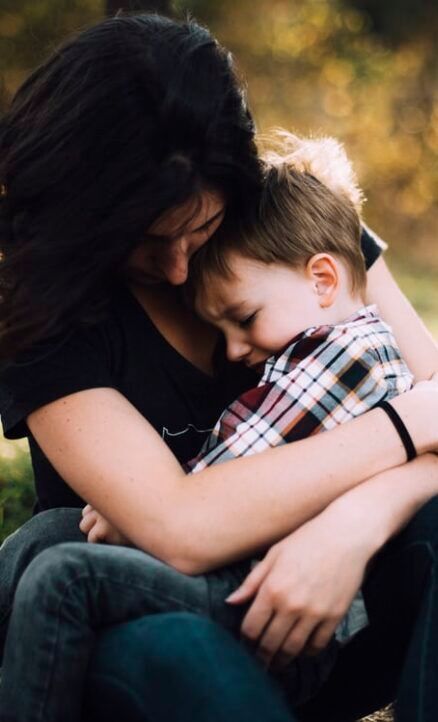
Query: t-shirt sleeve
x: 50, y: 371
x: 372, y: 246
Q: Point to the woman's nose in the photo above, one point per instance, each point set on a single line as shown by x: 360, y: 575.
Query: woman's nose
x: 174, y: 261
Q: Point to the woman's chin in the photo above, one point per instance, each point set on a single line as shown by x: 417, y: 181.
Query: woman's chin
x: 143, y: 279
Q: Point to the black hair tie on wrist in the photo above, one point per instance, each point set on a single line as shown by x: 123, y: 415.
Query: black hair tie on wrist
x: 401, y: 429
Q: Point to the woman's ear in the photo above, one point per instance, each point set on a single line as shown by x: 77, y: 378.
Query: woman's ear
x: 323, y: 270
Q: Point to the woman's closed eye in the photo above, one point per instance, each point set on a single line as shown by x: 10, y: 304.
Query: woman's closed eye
x: 212, y: 222
x: 205, y: 227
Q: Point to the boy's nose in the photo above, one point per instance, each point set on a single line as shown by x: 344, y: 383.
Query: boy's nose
x: 237, y: 349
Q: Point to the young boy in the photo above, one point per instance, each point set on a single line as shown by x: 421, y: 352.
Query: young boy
x: 287, y: 289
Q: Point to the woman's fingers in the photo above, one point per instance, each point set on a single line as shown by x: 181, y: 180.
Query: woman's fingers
x: 256, y: 619
x: 283, y: 635
x: 250, y: 586
x: 285, y: 638
x: 86, y: 510
x: 87, y: 522
x: 298, y: 637
x: 273, y: 637
x: 96, y: 534
x: 321, y: 636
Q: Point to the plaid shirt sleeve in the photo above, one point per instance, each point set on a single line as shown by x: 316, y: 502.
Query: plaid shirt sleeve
x: 323, y: 379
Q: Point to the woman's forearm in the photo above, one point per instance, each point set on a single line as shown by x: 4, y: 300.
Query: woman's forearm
x: 380, y: 507
x: 232, y: 519
x: 117, y: 462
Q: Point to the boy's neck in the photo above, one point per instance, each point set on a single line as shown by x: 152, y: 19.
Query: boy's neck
x: 344, y: 306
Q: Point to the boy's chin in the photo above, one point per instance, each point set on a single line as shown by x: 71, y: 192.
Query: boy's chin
x: 258, y: 366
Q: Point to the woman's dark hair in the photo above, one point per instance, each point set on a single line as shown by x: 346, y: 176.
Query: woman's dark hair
x: 132, y: 117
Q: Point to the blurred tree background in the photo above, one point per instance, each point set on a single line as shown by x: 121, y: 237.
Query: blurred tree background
x: 365, y: 71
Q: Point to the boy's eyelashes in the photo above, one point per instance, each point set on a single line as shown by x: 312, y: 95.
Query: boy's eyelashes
x: 247, y: 321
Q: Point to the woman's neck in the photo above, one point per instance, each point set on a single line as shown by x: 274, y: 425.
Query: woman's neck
x: 187, y: 333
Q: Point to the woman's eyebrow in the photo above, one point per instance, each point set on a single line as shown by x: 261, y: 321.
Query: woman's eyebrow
x: 163, y: 237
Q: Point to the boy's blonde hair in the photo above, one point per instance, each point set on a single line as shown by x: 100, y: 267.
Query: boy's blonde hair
x: 309, y: 204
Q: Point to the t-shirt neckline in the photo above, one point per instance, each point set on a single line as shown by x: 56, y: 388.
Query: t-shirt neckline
x: 167, y: 346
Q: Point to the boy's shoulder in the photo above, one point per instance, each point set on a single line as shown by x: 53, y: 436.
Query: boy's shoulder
x: 364, y: 327
x: 363, y: 336
x: 363, y: 330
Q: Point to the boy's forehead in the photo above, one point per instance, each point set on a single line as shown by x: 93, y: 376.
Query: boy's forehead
x: 219, y: 299
x: 225, y: 296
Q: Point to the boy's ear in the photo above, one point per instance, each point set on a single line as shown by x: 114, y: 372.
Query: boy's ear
x: 322, y: 269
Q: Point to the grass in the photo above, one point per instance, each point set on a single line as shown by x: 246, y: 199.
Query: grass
x: 17, y: 493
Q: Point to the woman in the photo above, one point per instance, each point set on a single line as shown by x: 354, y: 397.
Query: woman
x: 116, y: 166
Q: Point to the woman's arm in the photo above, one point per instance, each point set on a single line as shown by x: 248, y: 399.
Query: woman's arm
x: 418, y: 347
x: 114, y: 459
x: 306, y: 582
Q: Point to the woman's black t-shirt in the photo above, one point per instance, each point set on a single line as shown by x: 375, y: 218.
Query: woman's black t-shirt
x: 125, y: 352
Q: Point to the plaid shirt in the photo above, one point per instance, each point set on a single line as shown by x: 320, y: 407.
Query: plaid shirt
x: 325, y: 377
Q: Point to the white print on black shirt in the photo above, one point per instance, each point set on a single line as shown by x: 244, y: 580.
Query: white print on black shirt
x: 166, y: 434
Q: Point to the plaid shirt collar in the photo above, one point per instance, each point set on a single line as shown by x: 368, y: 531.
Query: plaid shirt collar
x: 279, y: 364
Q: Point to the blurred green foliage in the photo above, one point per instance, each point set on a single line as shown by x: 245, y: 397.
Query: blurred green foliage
x: 16, y: 486
x: 365, y: 71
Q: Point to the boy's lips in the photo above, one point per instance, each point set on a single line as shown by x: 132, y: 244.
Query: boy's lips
x: 256, y: 365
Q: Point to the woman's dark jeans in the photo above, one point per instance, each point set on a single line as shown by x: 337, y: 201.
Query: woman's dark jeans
x: 160, y: 667
x: 396, y: 656
x: 178, y: 667
x: 71, y: 590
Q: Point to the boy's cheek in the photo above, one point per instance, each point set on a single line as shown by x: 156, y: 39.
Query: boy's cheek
x: 275, y: 339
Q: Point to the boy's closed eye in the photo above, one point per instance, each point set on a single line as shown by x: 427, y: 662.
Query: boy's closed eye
x: 247, y: 321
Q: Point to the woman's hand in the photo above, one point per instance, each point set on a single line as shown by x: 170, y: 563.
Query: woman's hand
x: 98, y: 529
x: 304, y: 586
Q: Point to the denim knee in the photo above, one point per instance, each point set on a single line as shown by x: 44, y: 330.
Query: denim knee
x: 136, y: 663
x: 26, y: 543
x: 167, y: 639
x: 20, y: 548
x: 50, y: 575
